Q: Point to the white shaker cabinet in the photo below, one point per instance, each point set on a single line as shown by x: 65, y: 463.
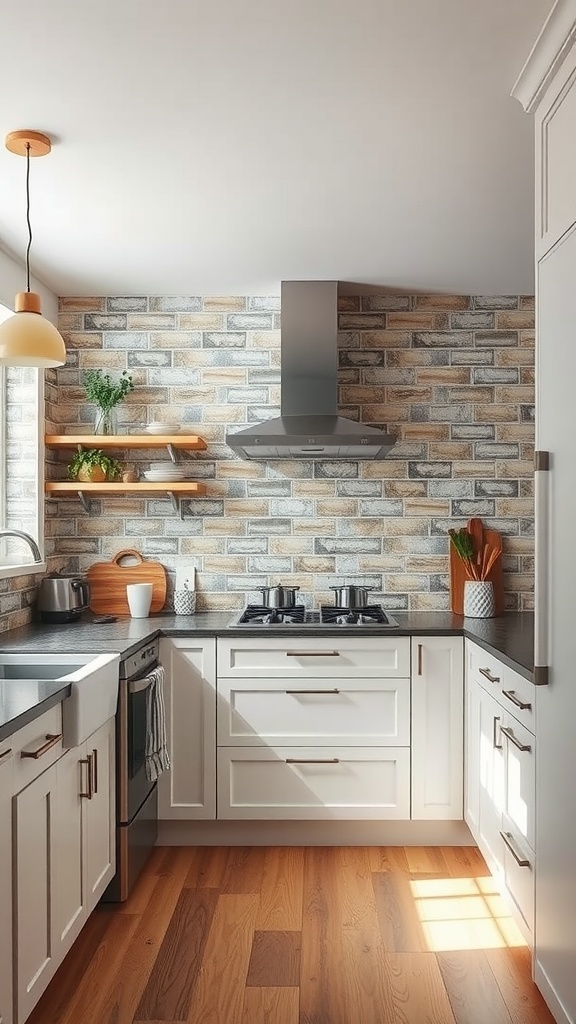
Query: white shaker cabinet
x: 6, y: 763
x: 188, y: 789
x: 437, y: 729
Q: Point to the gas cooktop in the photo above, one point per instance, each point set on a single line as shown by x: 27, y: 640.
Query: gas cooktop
x: 327, y: 615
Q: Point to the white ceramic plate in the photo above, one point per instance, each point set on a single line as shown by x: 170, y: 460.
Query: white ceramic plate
x: 163, y: 428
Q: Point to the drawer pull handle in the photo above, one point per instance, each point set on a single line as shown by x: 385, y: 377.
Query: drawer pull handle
x: 312, y: 654
x: 312, y: 760
x: 509, y: 842
x: 488, y: 675
x: 95, y: 769
x: 510, y: 735
x: 299, y: 692
x: 51, y: 741
x: 4, y: 753
x: 497, y: 746
x: 88, y: 761
x: 516, y: 701
x: 419, y: 659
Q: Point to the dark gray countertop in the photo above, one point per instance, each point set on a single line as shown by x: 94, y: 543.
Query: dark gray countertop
x: 509, y: 637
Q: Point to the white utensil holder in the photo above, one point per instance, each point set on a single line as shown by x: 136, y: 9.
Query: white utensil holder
x: 478, y: 599
x: 184, y: 602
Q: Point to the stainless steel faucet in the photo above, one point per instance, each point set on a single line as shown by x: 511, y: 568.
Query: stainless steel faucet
x: 29, y: 540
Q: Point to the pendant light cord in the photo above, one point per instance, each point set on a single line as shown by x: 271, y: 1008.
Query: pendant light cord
x: 28, y: 216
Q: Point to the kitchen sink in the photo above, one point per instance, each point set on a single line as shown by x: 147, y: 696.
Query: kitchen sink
x: 93, y: 679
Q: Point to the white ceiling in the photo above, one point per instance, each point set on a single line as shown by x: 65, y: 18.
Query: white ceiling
x: 220, y: 146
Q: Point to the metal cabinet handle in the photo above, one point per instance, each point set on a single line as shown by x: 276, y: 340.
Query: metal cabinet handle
x: 497, y: 746
x: 51, y: 741
x: 312, y: 760
x: 312, y: 654
x: 87, y: 761
x: 508, y: 839
x: 4, y: 753
x: 95, y: 768
x: 515, y: 700
x: 420, y: 659
x: 488, y: 675
x: 292, y: 692
x: 510, y: 735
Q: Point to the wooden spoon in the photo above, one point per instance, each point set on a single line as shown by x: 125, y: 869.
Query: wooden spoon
x: 476, y: 531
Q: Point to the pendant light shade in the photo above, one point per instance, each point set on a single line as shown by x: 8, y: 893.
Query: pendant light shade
x: 27, y: 338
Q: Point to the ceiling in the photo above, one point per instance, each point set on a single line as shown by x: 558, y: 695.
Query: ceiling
x: 220, y: 146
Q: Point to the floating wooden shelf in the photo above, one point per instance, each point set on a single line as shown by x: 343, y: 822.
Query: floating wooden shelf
x: 173, y: 489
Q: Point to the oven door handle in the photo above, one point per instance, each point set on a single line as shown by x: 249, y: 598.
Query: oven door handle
x: 138, y: 685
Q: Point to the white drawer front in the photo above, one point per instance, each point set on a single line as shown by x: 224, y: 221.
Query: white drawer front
x: 518, y: 696
x: 484, y: 667
x: 322, y: 657
x: 519, y: 880
x: 42, y: 737
x: 354, y: 712
x: 335, y: 783
x: 520, y: 789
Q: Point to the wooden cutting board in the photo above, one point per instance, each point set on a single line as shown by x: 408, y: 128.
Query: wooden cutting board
x: 458, y: 577
x: 108, y: 581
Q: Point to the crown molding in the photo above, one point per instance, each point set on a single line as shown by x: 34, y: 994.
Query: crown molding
x: 555, y: 40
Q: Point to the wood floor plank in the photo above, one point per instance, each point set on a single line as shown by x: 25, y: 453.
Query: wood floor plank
x: 244, y: 870
x: 118, y: 1000
x: 465, y: 862
x: 511, y: 967
x: 472, y: 989
x: 219, y: 993
x: 400, y: 925
x: 170, y: 986
x: 417, y: 989
x: 426, y: 860
x: 271, y: 1006
x: 322, y: 967
x: 281, y: 892
x: 389, y: 858
x: 208, y: 867
x: 275, y: 960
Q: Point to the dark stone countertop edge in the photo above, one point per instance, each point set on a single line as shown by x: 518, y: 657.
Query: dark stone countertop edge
x: 8, y: 726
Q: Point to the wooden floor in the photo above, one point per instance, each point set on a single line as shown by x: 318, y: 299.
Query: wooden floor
x: 287, y: 935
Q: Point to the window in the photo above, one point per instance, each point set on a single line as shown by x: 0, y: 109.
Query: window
x: 21, y: 463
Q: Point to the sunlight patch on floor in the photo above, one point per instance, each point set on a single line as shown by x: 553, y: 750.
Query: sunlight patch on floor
x: 463, y: 913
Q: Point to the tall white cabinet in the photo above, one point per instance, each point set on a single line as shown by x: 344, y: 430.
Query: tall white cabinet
x: 547, y: 88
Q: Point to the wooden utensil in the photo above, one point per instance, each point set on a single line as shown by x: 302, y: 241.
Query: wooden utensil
x: 493, y: 540
x: 108, y: 581
x: 476, y: 530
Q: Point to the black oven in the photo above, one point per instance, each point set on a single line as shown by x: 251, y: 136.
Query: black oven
x: 136, y: 795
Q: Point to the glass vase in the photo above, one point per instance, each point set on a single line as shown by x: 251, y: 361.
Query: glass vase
x: 106, y: 421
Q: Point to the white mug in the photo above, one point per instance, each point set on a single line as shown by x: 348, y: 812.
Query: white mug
x: 139, y: 599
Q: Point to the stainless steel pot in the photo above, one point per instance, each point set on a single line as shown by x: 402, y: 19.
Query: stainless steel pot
x: 62, y: 597
x: 278, y: 597
x: 351, y: 597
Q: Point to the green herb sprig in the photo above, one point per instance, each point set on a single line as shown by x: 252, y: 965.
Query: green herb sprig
x: 464, y: 545
x: 105, y: 392
x: 87, y: 458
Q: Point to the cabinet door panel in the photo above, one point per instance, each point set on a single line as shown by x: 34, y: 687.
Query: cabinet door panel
x: 99, y: 815
x: 69, y: 908
x: 492, y: 782
x: 188, y: 790
x: 437, y: 728
x: 520, y: 787
x: 334, y: 783
x: 372, y: 712
x: 35, y: 849
x: 472, y: 757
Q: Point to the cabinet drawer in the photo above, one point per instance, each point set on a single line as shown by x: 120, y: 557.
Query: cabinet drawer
x: 517, y: 691
x: 518, y: 869
x: 484, y: 668
x: 35, y: 747
x: 520, y: 784
x: 322, y: 657
x: 313, y: 782
x: 371, y: 712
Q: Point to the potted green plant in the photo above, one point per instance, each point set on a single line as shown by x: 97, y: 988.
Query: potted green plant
x: 91, y: 465
x: 106, y: 393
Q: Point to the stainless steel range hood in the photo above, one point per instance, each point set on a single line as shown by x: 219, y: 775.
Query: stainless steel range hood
x: 309, y: 426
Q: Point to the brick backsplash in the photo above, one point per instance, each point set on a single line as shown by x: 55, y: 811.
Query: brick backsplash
x: 451, y: 375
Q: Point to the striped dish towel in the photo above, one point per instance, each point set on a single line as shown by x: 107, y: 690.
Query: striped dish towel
x: 157, y: 758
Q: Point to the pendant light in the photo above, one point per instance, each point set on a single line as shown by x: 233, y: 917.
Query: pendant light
x: 27, y: 338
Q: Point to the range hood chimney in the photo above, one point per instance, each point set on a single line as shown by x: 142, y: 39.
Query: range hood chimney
x: 309, y: 426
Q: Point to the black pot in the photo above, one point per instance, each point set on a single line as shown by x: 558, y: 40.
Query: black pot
x: 351, y: 597
x: 278, y: 597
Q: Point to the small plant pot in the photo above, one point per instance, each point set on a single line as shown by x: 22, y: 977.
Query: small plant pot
x: 91, y: 475
x: 478, y: 599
